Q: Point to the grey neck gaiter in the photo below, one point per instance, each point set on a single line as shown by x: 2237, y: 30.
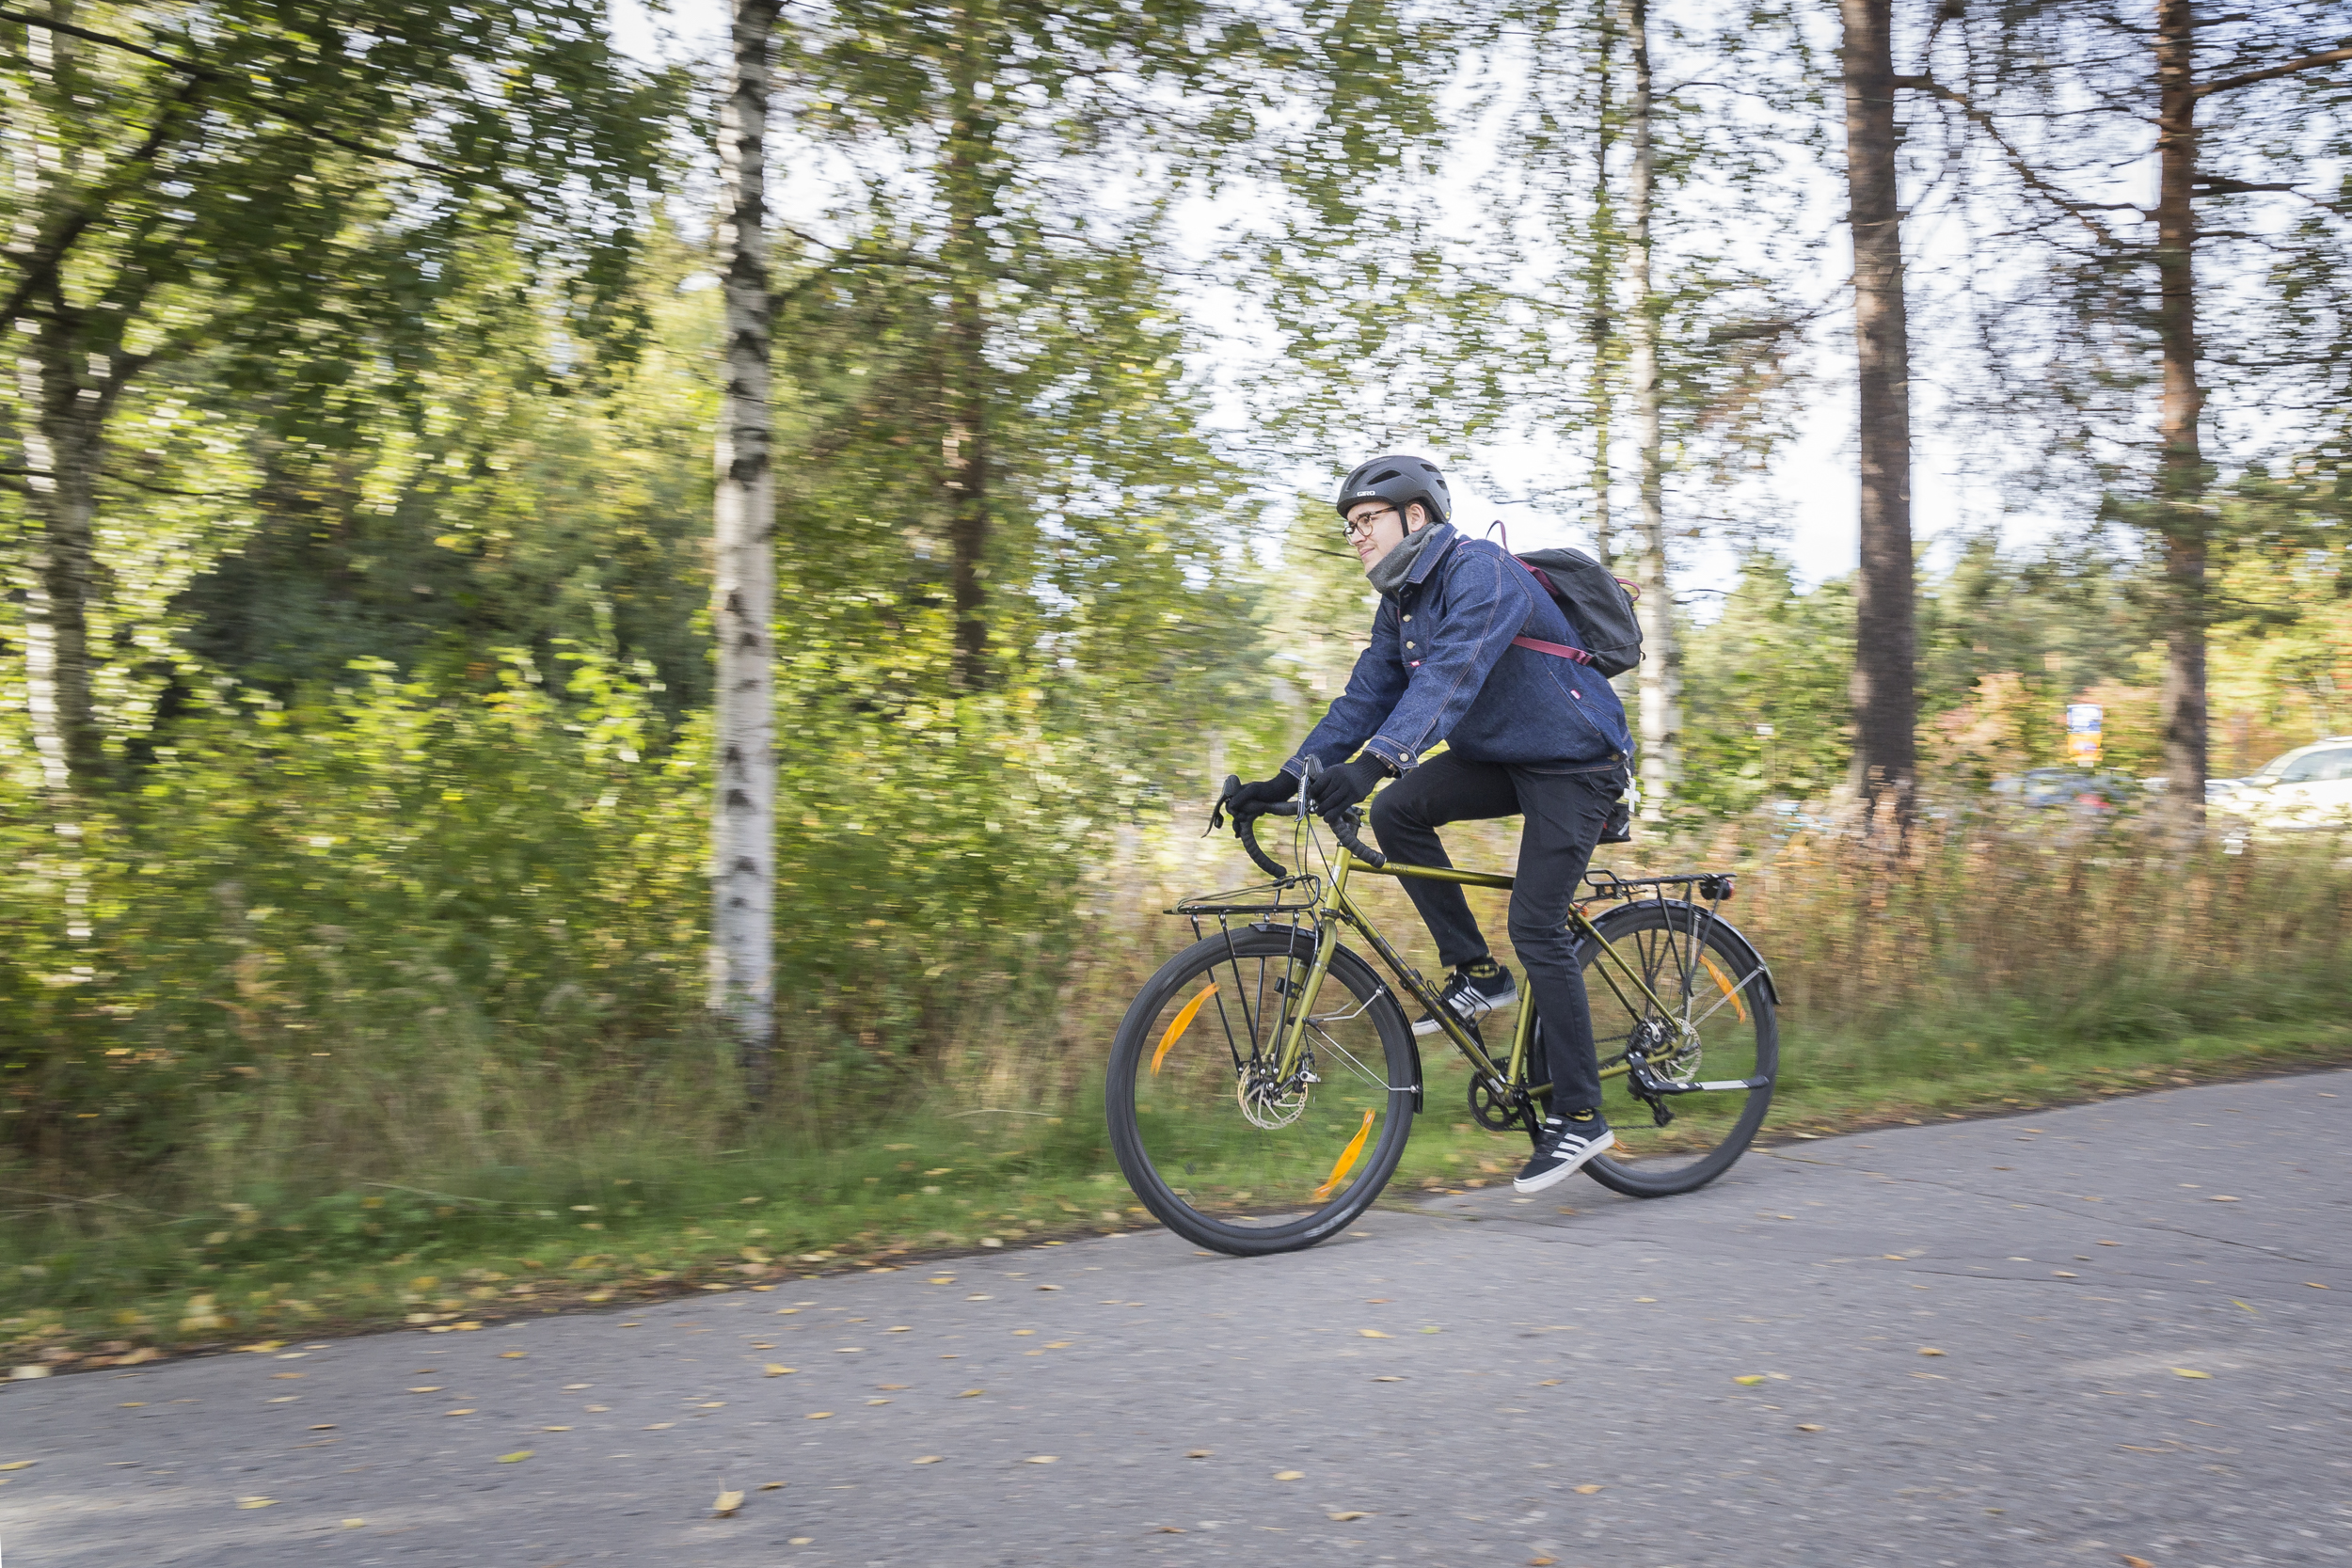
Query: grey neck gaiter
x: 1389, y: 573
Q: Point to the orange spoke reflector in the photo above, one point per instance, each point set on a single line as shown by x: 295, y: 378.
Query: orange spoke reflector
x: 1176, y: 1030
x: 1348, y: 1160
x: 1737, y: 1006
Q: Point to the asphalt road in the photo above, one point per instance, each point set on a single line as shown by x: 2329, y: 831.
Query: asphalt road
x: 1956, y: 1344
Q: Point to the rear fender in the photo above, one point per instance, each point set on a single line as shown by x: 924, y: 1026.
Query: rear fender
x: 1751, y: 961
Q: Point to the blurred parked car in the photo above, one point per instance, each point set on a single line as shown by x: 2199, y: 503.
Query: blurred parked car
x: 2308, y: 788
x: 2044, y: 789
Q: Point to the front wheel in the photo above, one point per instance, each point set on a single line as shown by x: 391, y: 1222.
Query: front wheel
x: 1223, y: 1151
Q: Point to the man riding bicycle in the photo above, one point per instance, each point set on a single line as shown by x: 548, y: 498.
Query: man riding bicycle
x: 1526, y: 732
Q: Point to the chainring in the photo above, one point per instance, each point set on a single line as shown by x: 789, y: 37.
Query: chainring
x: 1495, y: 1112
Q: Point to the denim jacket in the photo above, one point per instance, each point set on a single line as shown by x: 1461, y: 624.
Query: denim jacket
x: 1442, y: 667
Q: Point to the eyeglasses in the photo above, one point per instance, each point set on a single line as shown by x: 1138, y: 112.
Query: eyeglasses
x: 1351, y: 527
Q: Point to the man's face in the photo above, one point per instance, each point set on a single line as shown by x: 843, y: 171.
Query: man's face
x: 1376, y: 527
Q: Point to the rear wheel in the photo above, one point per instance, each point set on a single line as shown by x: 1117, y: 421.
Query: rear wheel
x: 1225, y: 1154
x: 1719, y: 1028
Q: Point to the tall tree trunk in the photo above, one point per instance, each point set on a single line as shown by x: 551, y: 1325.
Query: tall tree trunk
x: 1602, y: 282
x: 743, y: 818
x: 63, y: 443
x: 2182, y: 477
x: 1885, y: 703
x: 64, y: 447
x: 965, y: 448
x: 1661, y: 679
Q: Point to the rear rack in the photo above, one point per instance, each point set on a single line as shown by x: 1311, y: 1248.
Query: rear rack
x: 1716, y: 887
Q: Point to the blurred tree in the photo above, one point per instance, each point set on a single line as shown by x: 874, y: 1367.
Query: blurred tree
x: 285, y: 190
x: 2120, y: 341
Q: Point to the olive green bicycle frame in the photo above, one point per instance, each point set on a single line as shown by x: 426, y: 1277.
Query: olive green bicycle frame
x: 1335, y: 901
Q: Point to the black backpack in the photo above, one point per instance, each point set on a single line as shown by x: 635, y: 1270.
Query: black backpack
x: 1600, y: 609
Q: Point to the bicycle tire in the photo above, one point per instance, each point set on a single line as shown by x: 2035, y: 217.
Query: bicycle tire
x: 1182, y: 1130
x: 1665, y: 941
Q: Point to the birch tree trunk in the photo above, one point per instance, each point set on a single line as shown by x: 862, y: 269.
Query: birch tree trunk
x: 62, y: 437
x: 1885, y: 703
x: 2182, y: 476
x: 743, y: 817
x: 1660, y: 690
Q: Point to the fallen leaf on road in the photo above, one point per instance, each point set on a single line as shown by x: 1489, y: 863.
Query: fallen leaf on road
x: 268, y: 1345
x: 1289, y: 1475
x: 1751, y: 1380
x: 1059, y: 1344
x: 1541, y: 1561
x: 1646, y: 1301
x: 800, y: 1540
x: 2314, y: 1284
x: 2234, y: 1302
x: 1169, y: 1530
x: 257, y: 1502
x: 775, y: 1370
x: 1549, y: 1383
x: 1371, y: 1334
x: 513, y: 1355
x: 2131, y: 1561
x: 469, y: 1411
x: 1049, y: 1286
x: 970, y: 1393
x: 1807, y: 1427
x: 1040, y: 1458
x: 726, y: 1504
x: 1199, y: 1454
x: 2184, y: 1371
x: 929, y: 1459
x: 555, y: 1428
x: 820, y: 1416
x: 661, y: 1426
x: 1432, y: 1328
x: 427, y: 1389
x: 2220, y: 1199
x: 19, y: 1464
x: 1342, y: 1518
x: 353, y: 1524
x: 514, y: 1458
x: 285, y: 1374
x: 1929, y: 1350
x: 1390, y: 1378
x: 576, y: 1387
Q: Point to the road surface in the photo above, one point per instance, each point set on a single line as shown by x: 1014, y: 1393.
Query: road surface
x: 2085, y: 1336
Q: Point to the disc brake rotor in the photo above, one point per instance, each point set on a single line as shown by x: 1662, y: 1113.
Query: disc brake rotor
x: 1271, y: 1105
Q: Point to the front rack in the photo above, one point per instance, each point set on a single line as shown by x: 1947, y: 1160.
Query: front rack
x: 1291, y: 896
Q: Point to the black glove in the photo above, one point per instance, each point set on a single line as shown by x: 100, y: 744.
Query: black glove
x: 1335, y: 789
x: 1252, y: 800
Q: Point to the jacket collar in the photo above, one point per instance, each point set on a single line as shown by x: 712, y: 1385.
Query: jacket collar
x: 1443, y: 538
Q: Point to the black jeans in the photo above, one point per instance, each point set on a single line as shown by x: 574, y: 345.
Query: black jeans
x: 1566, y: 813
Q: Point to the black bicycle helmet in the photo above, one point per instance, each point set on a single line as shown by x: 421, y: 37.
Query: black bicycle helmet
x: 1400, y: 481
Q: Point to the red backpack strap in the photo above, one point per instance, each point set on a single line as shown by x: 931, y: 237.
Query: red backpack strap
x: 1557, y: 650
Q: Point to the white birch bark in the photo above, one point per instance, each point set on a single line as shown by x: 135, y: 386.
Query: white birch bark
x: 743, y: 811
x: 1660, y: 687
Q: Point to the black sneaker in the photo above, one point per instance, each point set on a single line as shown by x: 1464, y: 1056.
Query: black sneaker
x: 1475, y: 990
x: 1566, y: 1145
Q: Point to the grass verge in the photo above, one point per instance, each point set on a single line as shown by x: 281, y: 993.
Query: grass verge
x: 92, y: 1283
